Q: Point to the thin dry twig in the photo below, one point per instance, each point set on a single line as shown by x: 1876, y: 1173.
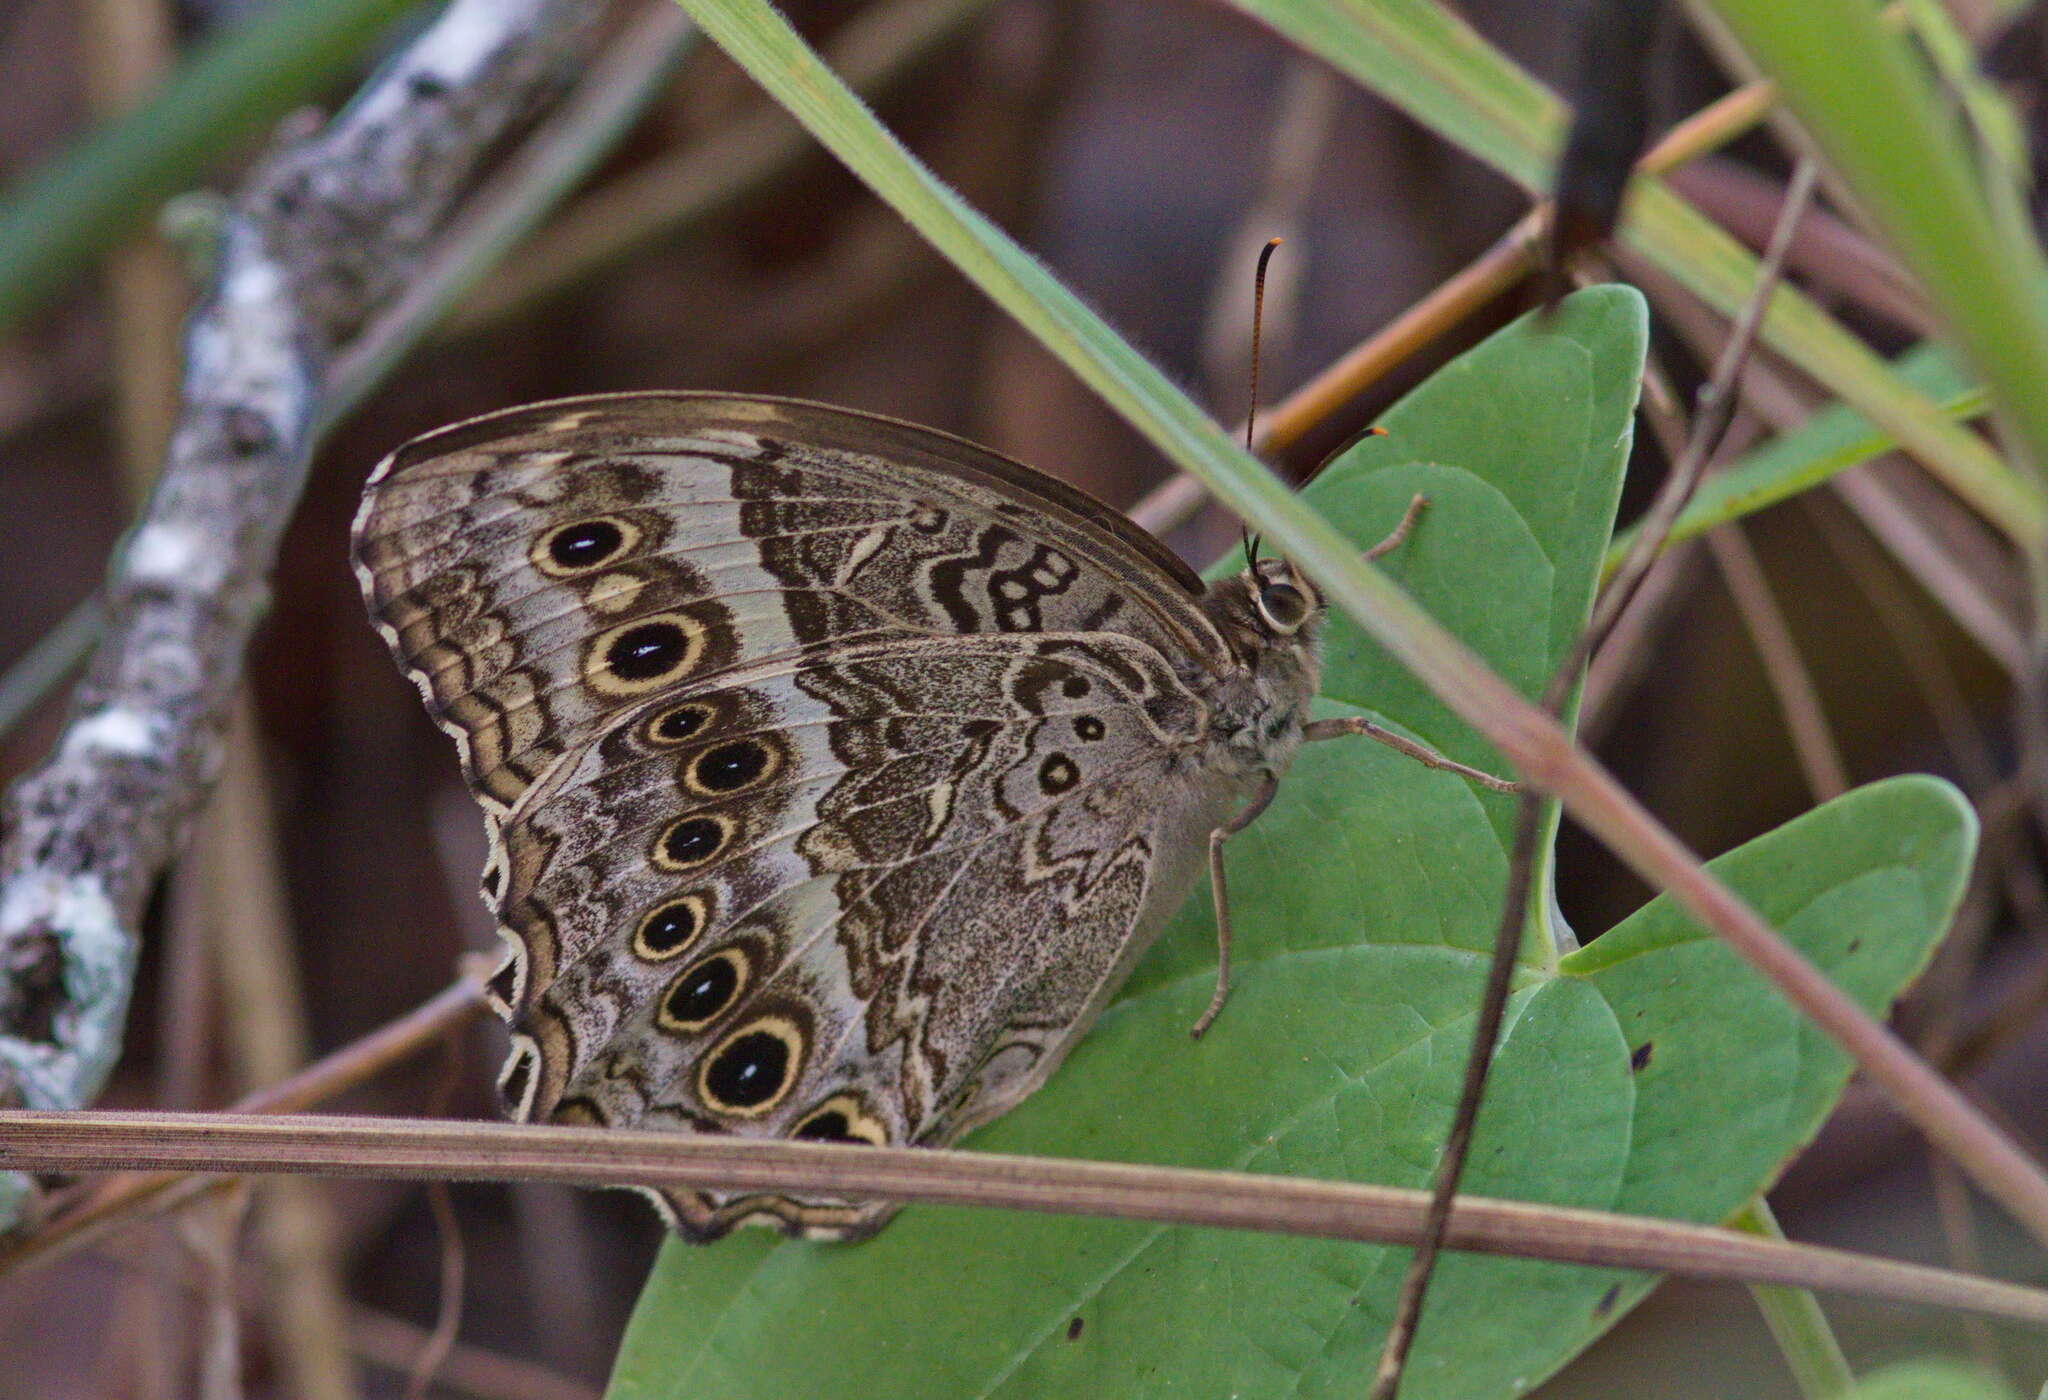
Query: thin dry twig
x: 327, y: 231
x: 1715, y: 411
x: 1813, y: 739
x: 1710, y: 424
x: 1493, y: 1001
x: 392, y: 1343
x: 88, y: 1140
x: 244, y: 908
x: 74, y: 1225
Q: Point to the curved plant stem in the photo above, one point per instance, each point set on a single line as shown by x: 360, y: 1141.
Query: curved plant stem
x: 1797, y: 1324
x: 1710, y: 425
x: 415, y: 1149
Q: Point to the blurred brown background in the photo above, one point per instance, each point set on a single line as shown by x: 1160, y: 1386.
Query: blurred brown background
x: 1144, y: 148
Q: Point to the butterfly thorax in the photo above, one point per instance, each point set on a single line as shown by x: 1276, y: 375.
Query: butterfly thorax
x: 1270, y: 619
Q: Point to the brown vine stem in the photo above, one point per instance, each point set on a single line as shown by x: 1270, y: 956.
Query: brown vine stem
x: 74, y: 1226
x: 1717, y: 409
x: 419, y: 1149
x: 1510, y: 259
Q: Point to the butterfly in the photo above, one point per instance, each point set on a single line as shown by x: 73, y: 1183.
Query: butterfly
x: 836, y: 771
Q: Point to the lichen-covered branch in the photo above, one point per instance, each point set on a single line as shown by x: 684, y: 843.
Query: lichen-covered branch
x: 324, y: 234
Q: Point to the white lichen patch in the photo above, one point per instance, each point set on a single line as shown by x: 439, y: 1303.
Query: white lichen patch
x: 97, y: 955
x: 115, y: 730
x: 454, y: 50
x: 171, y: 551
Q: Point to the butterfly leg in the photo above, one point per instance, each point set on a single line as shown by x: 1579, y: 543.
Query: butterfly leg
x: 1400, y: 532
x: 1220, y: 896
x: 1421, y: 753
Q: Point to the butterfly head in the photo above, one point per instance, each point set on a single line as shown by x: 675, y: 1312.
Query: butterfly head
x: 1271, y: 618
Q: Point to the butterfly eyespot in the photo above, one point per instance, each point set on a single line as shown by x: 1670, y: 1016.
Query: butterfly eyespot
x: 731, y: 767
x: 515, y: 1081
x: 841, y: 1119
x: 641, y: 655
x: 691, y: 842
x: 676, y: 725
x: 503, y: 986
x: 1057, y: 774
x: 752, y: 1068
x: 579, y: 1112
x: 583, y: 545
x: 1089, y: 728
x: 1283, y: 606
x: 670, y: 927
x: 703, y: 991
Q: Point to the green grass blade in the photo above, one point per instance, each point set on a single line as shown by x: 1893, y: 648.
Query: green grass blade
x: 763, y: 43
x: 1832, y: 441
x: 72, y: 209
x: 1868, y: 106
x: 1418, y: 56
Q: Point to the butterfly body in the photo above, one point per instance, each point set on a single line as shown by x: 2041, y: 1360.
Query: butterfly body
x: 836, y: 771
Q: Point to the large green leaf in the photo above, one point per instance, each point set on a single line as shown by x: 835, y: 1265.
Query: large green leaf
x: 1364, y: 902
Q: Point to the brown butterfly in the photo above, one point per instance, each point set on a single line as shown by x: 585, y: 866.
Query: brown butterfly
x: 836, y: 770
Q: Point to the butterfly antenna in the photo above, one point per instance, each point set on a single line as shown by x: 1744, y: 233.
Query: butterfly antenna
x: 1251, y: 413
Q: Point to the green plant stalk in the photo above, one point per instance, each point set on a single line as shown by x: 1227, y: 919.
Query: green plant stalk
x: 1537, y: 744
x: 1434, y: 67
x: 1872, y: 114
x: 1796, y: 1321
x: 1737, y: 492
x: 88, y: 199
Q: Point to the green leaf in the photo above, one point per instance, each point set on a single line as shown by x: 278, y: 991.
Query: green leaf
x: 1932, y: 1380
x: 1363, y: 904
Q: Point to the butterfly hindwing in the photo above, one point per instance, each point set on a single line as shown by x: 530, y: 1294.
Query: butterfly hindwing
x: 876, y: 889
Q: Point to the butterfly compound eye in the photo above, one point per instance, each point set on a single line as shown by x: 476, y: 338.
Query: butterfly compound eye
x: 1283, y: 606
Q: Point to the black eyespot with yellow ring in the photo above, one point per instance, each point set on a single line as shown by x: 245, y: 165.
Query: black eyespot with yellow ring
x: 704, y: 991
x: 583, y: 545
x: 692, y: 841
x: 680, y: 723
x: 841, y: 1118
x: 671, y: 926
x: 753, y: 1067
x: 732, y: 767
x: 641, y: 655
